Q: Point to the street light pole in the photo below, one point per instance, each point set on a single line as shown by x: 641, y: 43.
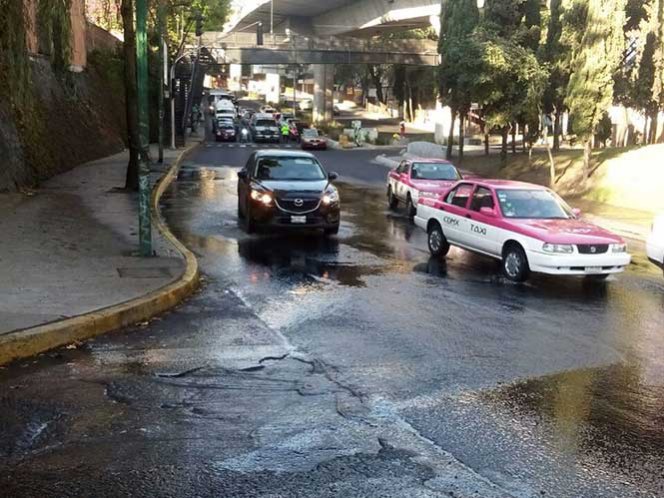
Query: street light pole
x: 144, y: 221
x: 162, y: 75
x: 272, y: 20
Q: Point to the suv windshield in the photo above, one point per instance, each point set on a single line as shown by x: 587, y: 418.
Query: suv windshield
x: 532, y: 204
x: 266, y: 122
x: 289, y: 168
x: 434, y: 171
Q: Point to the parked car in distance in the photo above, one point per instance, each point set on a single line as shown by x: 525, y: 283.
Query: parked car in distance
x: 287, y: 190
x: 655, y: 243
x: 306, y: 105
x: 529, y: 228
x: 415, y: 178
x: 310, y: 139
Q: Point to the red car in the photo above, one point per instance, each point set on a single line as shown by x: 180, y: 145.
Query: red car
x: 312, y: 140
x: 417, y: 178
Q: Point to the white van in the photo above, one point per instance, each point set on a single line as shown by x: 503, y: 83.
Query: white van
x: 225, y: 108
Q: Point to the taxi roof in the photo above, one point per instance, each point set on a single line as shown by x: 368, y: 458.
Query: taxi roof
x: 506, y: 184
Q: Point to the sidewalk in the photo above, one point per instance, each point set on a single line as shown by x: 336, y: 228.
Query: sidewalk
x: 69, y: 247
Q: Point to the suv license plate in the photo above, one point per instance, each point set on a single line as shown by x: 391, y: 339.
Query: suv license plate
x: 298, y: 219
x: 594, y: 269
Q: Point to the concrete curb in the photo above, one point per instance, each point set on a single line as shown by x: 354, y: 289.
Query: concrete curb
x: 29, y: 342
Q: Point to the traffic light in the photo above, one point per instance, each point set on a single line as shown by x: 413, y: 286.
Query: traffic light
x: 199, y: 24
x: 259, y: 33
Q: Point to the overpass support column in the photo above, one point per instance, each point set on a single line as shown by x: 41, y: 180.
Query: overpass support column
x: 323, y: 92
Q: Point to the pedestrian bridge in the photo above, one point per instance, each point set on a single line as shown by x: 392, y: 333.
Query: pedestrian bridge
x: 241, y: 48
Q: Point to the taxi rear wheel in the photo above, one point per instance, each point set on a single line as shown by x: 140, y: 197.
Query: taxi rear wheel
x: 411, y: 209
x: 438, y: 244
x: 392, y: 201
x: 515, y: 264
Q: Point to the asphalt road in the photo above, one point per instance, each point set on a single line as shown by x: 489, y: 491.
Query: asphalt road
x: 354, y: 366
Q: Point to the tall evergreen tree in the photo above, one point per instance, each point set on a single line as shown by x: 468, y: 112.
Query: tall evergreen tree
x: 459, y: 60
x: 590, y: 89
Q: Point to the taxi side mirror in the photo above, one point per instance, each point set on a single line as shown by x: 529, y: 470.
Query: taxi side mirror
x: 576, y: 212
x: 487, y: 211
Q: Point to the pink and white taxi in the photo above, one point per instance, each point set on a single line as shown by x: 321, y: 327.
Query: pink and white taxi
x: 655, y: 243
x: 528, y: 227
x: 416, y: 178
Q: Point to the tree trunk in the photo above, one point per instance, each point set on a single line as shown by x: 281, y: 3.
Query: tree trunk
x: 557, y: 129
x: 486, y: 143
x: 450, y: 138
x: 131, y: 93
x: 525, y: 144
x: 513, y: 133
x: 377, y: 81
x: 461, y: 134
x: 503, y: 149
x: 587, y: 156
x: 654, y: 123
x: 552, y: 166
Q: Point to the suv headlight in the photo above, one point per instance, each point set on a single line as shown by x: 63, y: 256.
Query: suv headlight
x: 331, y: 197
x: 619, y: 248
x: 558, y: 248
x: 262, y: 197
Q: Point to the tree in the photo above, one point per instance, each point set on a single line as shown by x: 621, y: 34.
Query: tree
x: 590, y: 89
x: 510, y: 84
x: 131, y: 93
x: 459, y: 61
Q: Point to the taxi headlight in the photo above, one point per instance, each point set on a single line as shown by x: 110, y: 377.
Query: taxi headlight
x: 619, y: 248
x: 558, y: 248
x: 262, y: 197
x: 331, y: 197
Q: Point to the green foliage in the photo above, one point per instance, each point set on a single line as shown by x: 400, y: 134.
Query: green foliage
x: 512, y: 81
x: 460, y: 54
x: 54, y: 28
x: 590, y: 89
x: 14, y: 68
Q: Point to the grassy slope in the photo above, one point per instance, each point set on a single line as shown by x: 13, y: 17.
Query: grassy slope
x: 631, y: 177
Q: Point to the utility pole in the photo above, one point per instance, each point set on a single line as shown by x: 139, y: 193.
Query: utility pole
x: 161, y: 11
x: 144, y: 221
x: 272, y: 20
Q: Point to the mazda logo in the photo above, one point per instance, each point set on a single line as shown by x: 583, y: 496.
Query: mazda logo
x: 298, y: 202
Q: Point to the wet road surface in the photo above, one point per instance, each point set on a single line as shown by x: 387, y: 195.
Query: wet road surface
x: 349, y: 366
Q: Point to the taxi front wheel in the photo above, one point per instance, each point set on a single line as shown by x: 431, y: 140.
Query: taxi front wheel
x: 392, y: 200
x: 438, y: 245
x: 515, y: 264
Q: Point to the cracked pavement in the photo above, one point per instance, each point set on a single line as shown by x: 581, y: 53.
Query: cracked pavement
x: 348, y: 367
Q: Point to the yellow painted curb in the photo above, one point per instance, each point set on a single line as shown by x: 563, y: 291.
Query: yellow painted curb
x: 28, y: 342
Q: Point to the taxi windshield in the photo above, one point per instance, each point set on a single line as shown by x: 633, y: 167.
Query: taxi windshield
x: 289, y: 168
x: 532, y: 204
x: 434, y: 171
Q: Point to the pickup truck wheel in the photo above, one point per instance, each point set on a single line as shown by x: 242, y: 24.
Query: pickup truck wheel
x: 392, y: 201
x: 411, y: 209
x: 438, y: 244
x: 515, y: 264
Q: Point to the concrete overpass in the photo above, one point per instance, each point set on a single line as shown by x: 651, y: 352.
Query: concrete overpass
x: 336, y: 17
x: 323, y: 32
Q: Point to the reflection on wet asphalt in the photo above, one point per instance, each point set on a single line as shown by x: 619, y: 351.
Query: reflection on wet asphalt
x: 560, y: 380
